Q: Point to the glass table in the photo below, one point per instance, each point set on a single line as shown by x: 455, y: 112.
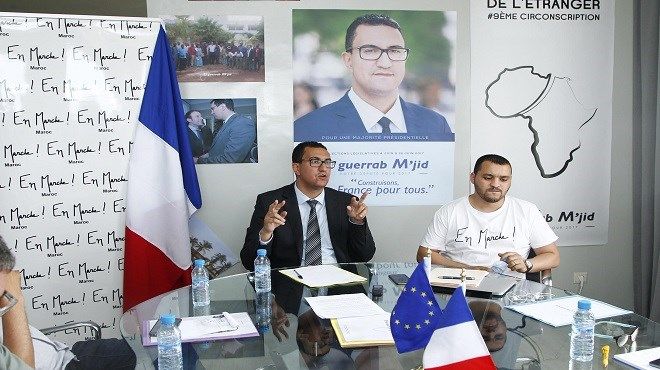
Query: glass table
x: 295, y: 338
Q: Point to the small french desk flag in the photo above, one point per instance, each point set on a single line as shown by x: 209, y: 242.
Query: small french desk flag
x: 457, y: 342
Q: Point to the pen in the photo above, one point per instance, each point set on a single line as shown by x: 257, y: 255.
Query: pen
x: 298, y: 274
x: 456, y: 277
x: 230, y: 320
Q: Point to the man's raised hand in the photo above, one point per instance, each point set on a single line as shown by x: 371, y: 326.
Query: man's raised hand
x: 273, y: 219
x: 357, y: 210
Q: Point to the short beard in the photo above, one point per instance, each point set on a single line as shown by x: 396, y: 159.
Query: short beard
x: 490, y: 199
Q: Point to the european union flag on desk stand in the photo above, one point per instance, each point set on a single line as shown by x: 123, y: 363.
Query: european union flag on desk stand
x: 416, y: 314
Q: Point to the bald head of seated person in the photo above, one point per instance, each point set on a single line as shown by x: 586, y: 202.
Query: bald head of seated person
x: 307, y: 223
x: 490, y: 230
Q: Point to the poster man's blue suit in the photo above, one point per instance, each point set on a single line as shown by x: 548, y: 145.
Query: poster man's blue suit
x: 340, y: 121
x: 233, y: 142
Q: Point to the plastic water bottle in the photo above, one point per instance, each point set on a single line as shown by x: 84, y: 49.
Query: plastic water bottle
x: 200, y: 285
x: 169, y: 344
x: 261, y: 272
x: 264, y: 311
x: 582, y: 333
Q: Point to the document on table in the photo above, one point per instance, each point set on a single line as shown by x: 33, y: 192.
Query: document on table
x: 559, y: 311
x: 344, y: 305
x: 363, y: 331
x: 205, y: 328
x: 639, y: 359
x: 322, y: 276
x: 451, y: 277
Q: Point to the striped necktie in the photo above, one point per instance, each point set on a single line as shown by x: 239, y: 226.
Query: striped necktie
x: 313, y: 239
x: 385, y: 124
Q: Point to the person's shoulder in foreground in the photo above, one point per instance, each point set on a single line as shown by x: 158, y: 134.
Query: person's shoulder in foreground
x: 16, y: 350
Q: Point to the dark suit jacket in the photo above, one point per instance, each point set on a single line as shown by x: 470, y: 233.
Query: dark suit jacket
x: 233, y: 142
x: 200, y: 146
x: 351, y: 243
x: 340, y: 121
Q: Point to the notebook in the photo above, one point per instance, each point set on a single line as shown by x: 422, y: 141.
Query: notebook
x: 491, y: 285
x: 495, y: 284
x: 451, y: 277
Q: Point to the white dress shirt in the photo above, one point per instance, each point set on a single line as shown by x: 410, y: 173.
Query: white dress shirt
x: 371, y: 115
x: 327, y: 253
x: 197, y: 130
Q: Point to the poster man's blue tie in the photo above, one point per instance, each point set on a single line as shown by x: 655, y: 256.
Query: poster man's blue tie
x: 385, y: 123
x: 313, y: 239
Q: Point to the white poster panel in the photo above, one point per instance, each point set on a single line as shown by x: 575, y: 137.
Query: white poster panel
x: 541, y: 96
x: 70, y: 95
x: 409, y: 173
x: 399, y: 67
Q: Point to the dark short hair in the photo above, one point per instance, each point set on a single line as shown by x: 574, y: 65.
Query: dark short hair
x: 494, y: 158
x: 7, y: 260
x: 299, y: 150
x: 229, y: 103
x: 188, y: 113
x: 369, y: 20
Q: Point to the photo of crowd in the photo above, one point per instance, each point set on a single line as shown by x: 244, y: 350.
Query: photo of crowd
x: 222, y: 48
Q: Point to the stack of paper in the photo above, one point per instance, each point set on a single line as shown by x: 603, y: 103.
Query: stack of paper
x: 363, y: 331
x: 559, y: 311
x: 451, y: 277
x: 206, y: 328
x: 343, y: 305
x: 356, y: 319
x: 322, y: 276
x: 639, y: 359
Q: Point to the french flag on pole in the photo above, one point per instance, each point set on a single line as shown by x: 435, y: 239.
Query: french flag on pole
x: 163, y: 191
x: 457, y: 342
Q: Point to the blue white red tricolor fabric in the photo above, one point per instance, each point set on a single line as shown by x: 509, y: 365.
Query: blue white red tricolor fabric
x: 163, y: 191
x: 457, y: 342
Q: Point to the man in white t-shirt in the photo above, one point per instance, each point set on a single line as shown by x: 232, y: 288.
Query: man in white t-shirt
x: 489, y: 229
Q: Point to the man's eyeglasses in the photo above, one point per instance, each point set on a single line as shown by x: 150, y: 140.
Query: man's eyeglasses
x: 12, y: 302
x: 317, y: 162
x: 372, y: 52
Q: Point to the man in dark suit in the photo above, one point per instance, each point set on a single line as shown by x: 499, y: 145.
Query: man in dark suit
x: 372, y: 109
x: 236, y: 137
x: 199, y: 135
x: 306, y: 223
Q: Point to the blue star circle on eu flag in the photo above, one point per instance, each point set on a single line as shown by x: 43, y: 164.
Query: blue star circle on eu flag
x: 416, y: 313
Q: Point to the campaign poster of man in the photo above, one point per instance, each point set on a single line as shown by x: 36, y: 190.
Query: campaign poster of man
x: 376, y: 75
x: 385, y: 79
x: 217, y: 48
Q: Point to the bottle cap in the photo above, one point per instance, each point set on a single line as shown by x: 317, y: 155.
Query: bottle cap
x: 261, y: 252
x: 167, y: 319
x: 199, y: 263
x: 584, y: 304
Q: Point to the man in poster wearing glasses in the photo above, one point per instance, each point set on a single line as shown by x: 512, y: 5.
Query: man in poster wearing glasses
x: 306, y: 223
x: 372, y: 109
